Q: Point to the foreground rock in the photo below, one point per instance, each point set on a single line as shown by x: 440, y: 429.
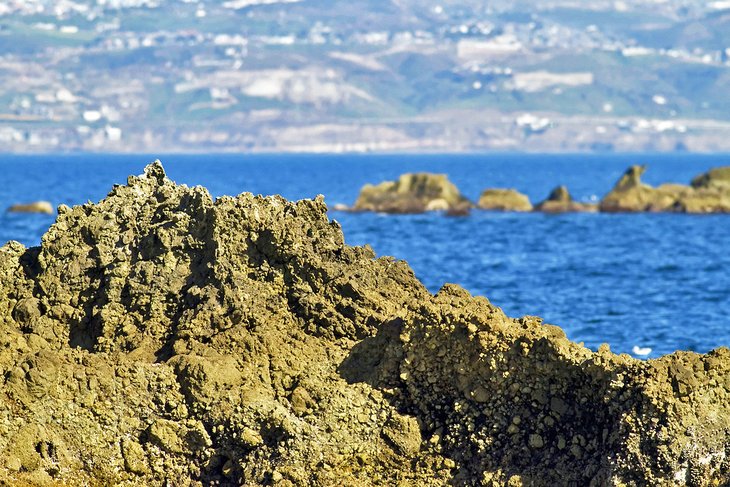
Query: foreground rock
x: 709, y: 193
x: 560, y: 201
x: 161, y: 338
x: 36, y: 207
x: 498, y: 199
x: 412, y: 193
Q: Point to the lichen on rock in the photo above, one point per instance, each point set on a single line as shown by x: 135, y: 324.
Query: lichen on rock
x: 160, y: 337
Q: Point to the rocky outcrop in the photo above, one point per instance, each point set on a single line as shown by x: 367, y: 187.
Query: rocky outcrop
x: 498, y: 199
x: 416, y: 193
x: 631, y: 195
x: 704, y: 201
x: 412, y: 193
x: 163, y: 338
x: 709, y: 193
x: 36, y: 207
x: 560, y: 201
x: 513, y: 402
x: 717, y: 178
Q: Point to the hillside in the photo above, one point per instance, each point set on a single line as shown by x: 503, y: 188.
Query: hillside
x: 318, y: 75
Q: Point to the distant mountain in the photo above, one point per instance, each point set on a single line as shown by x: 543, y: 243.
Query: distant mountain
x: 373, y: 75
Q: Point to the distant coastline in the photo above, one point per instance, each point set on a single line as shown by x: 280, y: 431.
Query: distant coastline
x: 213, y: 151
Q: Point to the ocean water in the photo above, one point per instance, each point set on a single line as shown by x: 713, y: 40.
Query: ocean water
x: 660, y: 281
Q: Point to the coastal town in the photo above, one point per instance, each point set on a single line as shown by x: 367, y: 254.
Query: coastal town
x: 296, y: 76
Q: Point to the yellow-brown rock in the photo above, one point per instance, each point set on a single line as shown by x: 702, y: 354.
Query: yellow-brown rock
x: 631, y: 195
x: 36, y: 207
x: 560, y: 201
x: 163, y: 338
x: 709, y: 193
x: 498, y: 199
x: 717, y: 178
x: 411, y: 193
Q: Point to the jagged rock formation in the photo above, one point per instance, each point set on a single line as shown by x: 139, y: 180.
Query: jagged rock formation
x: 560, y: 201
x: 162, y: 338
x: 709, y: 193
x: 412, y: 193
x: 497, y: 199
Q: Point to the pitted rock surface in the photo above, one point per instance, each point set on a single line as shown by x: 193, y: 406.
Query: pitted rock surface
x: 163, y: 338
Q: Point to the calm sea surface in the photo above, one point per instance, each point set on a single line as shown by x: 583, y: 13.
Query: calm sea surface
x: 657, y: 281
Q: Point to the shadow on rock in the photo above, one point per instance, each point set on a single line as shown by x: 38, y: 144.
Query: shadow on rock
x: 515, y: 401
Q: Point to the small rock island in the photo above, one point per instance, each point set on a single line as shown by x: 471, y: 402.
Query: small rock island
x: 708, y: 193
x: 560, y: 201
x: 416, y: 193
x: 412, y: 193
x: 498, y: 199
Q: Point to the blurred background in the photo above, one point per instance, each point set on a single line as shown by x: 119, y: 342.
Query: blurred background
x: 369, y: 75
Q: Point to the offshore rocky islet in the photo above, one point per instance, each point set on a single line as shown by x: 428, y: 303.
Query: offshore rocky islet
x: 160, y: 337
x: 416, y: 193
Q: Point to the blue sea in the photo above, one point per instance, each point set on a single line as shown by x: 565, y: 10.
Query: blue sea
x: 660, y: 281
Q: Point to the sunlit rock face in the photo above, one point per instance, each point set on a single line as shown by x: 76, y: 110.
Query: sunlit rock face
x: 709, y: 193
x: 560, y: 201
x: 412, y: 193
x: 163, y: 338
x: 498, y: 199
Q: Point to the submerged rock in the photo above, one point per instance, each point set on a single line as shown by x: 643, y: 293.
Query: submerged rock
x: 498, y: 199
x: 163, y: 338
x: 412, y: 193
x: 560, y: 201
x: 36, y: 207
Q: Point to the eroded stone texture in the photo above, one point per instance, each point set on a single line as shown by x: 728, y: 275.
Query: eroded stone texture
x: 163, y: 338
x: 514, y: 400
